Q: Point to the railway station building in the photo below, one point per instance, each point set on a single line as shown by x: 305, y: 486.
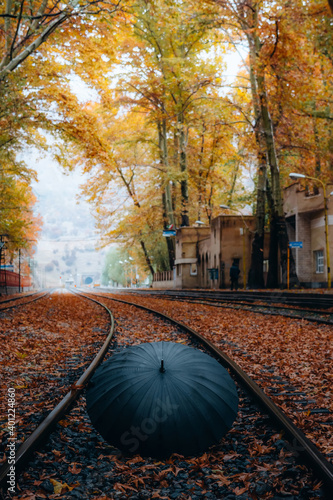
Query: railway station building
x: 204, y: 254
x: 305, y: 215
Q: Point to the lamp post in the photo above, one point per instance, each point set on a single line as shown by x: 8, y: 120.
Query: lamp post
x: 296, y: 176
x: 124, y: 262
x: 127, y: 271
x: 244, y: 246
x: 131, y: 269
x: 19, y: 287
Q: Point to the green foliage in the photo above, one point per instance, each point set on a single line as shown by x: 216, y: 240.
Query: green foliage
x: 114, y: 270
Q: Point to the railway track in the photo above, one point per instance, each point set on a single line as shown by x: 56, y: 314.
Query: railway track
x: 303, y: 299
x: 19, y: 300
x: 214, y: 472
x: 308, y: 306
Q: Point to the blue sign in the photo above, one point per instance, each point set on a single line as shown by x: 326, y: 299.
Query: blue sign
x: 295, y: 244
x: 167, y: 234
x: 213, y: 273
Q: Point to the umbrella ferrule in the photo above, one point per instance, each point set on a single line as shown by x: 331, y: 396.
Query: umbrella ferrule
x: 162, y: 369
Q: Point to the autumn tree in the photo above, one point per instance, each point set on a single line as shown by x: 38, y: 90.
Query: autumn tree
x: 248, y: 19
x: 24, y: 29
x: 18, y: 224
x: 18, y: 115
x: 301, y: 142
x: 176, y: 39
x: 130, y: 140
x: 173, y: 76
x: 25, y: 26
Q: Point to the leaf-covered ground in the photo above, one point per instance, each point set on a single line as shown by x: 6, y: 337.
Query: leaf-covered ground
x: 251, y: 461
x: 42, y: 344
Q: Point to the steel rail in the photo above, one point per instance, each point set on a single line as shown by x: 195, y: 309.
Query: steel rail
x: 249, y: 303
x: 20, y: 297
x: 7, y: 308
x: 270, y: 297
x: 305, y: 447
x: 248, y: 306
x: 39, y: 435
x: 251, y: 308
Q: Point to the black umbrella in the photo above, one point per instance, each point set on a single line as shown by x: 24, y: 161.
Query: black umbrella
x: 161, y: 398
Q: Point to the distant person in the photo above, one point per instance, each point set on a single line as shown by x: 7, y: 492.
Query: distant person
x: 234, y: 275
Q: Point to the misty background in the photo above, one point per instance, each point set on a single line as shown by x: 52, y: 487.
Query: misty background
x: 67, y: 244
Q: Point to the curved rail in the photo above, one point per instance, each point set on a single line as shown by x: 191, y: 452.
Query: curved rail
x: 306, y: 448
x: 38, y: 436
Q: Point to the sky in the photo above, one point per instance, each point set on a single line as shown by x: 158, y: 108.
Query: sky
x: 55, y: 189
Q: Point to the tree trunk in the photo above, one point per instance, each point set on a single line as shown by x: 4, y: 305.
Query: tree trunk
x: 316, y: 141
x: 256, y: 273
x: 183, y: 168
x: 143, y: 246
x: 330, y: 2
x: 169, y: 218
x: 169, y: 241
x: 137, y: 204
x: 278, y: 228
x: 200, y: 171
x: 162, y: 140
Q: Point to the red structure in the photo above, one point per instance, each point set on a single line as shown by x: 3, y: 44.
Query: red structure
x: 13, y: 280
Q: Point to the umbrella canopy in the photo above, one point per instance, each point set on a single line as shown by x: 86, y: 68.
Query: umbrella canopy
x: 160, y: 398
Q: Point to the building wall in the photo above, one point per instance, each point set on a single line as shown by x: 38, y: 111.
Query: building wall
x: 303, y: 256
x: 318, y: 242
x: 230, y: 238
x: 186, y: 262
x: 236, y: 243
x: 308, y: 210
x: 204, y: 263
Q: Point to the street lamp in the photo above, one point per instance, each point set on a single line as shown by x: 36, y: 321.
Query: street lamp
x: 124, y: 262
x: 296, y: 176
x: 225, y: 207
x: 131, y: 269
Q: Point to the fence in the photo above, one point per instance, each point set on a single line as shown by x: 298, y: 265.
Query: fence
x: 164, y: 279
x: 163, y: 276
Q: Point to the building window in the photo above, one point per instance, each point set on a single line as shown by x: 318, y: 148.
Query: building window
x: 319, y: 261
x: 193, y: 270
x: 265, y: 265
